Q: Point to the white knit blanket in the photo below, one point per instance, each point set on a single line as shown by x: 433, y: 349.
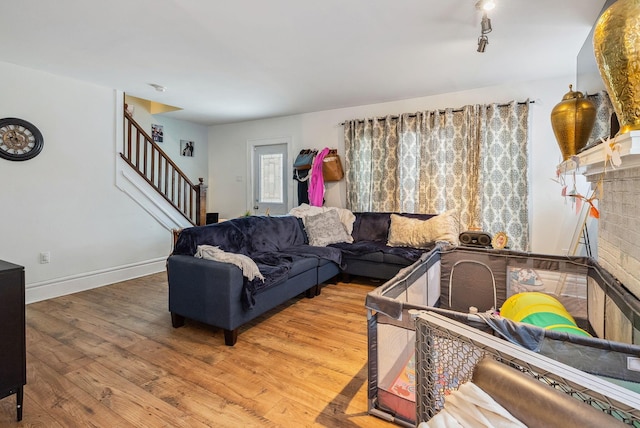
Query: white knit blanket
x: 346, y: 216
x: 470, y: 406
x: 249, y: 268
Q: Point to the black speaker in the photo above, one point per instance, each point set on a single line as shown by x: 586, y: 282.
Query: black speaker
x: 212, y: 218
x: 472, y: 238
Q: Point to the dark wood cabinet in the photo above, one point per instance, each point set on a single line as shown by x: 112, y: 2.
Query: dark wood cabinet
x: 13, y: 361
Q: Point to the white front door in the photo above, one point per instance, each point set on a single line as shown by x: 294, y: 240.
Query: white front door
x: 270, y: 179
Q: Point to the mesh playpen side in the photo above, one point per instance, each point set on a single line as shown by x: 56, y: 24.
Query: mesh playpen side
x: 391, y: 337
x: 447, y: 352
x: 450, y: 280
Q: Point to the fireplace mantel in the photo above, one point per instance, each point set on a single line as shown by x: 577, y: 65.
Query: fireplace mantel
x: 592, y: 161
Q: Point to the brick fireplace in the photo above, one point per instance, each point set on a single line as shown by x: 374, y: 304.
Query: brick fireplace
x: 619, y: 223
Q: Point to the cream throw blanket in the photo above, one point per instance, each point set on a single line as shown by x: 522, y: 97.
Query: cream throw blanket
x: 346, y: 216
x: 470, y: 406
x: 249, y: 268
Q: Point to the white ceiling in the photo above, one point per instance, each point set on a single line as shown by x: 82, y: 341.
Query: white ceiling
x: 226, y: 61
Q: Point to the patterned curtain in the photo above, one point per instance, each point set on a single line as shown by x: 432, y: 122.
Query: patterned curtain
x: 505, y: 174
x: 433, y: 161
x: 371, y: 164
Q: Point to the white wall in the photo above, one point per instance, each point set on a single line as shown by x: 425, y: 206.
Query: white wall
x: 64, y: 200
x: 553, y: 221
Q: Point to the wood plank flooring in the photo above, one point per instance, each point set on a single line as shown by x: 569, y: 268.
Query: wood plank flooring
x: 109, y: 357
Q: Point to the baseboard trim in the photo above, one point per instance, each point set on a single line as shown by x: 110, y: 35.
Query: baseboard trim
x: 57, y: 287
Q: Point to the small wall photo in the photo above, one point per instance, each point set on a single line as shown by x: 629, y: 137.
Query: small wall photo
x: 157, y: 133
x: 186, y: 148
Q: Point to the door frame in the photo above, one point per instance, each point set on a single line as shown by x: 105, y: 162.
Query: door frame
x: 251, y: 144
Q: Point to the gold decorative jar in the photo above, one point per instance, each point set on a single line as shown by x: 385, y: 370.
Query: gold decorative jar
x: 616, y: 45
x: 572, y: 120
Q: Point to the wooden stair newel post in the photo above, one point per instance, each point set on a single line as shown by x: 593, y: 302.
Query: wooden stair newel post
x: 201, y: 202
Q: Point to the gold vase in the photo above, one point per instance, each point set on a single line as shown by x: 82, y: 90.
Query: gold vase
x: 616, y: 45
x: 572, y: 120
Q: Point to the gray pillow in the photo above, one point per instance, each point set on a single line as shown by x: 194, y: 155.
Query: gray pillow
x: 325, y: 228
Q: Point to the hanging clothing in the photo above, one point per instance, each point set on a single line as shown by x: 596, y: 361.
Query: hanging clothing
x: 303, y: 192
x: 316, y: 185
x: 302, y: 178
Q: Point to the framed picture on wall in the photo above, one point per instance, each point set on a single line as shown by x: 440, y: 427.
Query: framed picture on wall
x: 157, y: 133
x: 186, y: 148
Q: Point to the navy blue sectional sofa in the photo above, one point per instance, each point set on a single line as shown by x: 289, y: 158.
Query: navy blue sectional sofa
x: 217, y: 293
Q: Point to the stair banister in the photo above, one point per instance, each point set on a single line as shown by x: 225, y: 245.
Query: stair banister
x: 157, y: 169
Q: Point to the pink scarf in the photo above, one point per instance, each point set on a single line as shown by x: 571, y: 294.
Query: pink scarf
x: 316, y: 182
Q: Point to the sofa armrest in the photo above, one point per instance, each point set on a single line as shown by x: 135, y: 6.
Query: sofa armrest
x: 204, y: 290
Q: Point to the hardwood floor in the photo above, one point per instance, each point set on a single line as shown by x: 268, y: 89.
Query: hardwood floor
x: 109, y: 358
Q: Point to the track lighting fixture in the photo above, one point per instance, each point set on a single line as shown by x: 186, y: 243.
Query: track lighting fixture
x: 483, y: 41
x: 485, y: 24
x: 485, y: 5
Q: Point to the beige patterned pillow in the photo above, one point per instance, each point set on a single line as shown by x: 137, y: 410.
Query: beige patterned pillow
x: 411, y: 232
x: 325, y: 228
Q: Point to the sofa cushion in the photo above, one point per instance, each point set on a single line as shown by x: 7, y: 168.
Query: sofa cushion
x: 362, y: 248
x: 244, y: 235
x: 323, y: 262
x: 371, y: 257
x: 271, y: 234
x: 396, y: 259
x: 325, y: 228
x: 410, y: 232
x: 301, y: 265
x: 346, y: 216
x: 371, y: 226
x: 226, y: 235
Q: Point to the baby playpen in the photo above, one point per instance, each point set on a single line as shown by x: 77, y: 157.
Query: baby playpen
x: 465, y: 285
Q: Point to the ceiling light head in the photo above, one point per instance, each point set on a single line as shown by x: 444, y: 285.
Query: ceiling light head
x: 485, y: 5
x: 485, y: 24
x: 483, y: 41
x: 157, y: 87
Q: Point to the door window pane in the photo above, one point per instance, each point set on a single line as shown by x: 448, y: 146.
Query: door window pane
x: 271, y: 183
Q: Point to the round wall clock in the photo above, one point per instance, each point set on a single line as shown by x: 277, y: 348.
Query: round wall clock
x: 19, y: 139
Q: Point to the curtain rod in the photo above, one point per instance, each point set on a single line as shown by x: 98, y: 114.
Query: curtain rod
x: 454, y: 111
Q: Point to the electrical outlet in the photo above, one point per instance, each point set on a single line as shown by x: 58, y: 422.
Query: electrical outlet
x: 45, y: 257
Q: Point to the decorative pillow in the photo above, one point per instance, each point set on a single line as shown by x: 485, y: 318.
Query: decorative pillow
x: 411, y: 232
x: 371, y: 226
x: 346, y: 216
x: 325, y: 228
x: 374, y: 226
